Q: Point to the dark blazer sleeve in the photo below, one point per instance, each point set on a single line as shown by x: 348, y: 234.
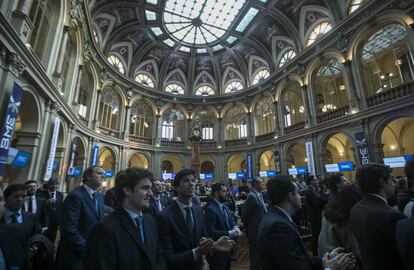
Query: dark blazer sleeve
x: 100, y: 253
x: 42, y: 216
x: 250, y: 207
x: 165, y: 231
x: 68, y: 220
x: 405, y: 241
x: 210, y: 221
x: 287, y: 250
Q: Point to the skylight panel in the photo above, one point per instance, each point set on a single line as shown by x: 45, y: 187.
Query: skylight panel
x: 263, y: 1
x: 154, y: 2
x: 204, y: 50
x: 151, y: 16
x: 247, y: 19
x: 217, y: 47
x: 210, y: 18
x: 169, y: 42
x: 231, y: 39
x: 185, y: 49
x: 156, y: 30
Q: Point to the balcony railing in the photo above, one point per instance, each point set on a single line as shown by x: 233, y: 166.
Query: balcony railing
x: 265, y: 137
x: 83, y: 120
x: 172, y: 143
x: 208, y: 144
x: 391, y: 94
x: 139, y: 139
x: 108, y: 131
x: 235, y: 142
x: 333, y: 114
x: 295, y: 127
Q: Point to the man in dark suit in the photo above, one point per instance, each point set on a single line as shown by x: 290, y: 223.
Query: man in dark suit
x: 254, y: 210
x: 80, y: 211
x: 157, y: 203
x: 314, y: 205
x: 14, y: 196
x: 14, y: 250
x: 405, y: 241
x: 279, y: 243
x: 110, y: 198
x: 373, y: 222
x: 220, y: 222
x: 54, y: 200
x: 35, y: 204
x: 126, y: 239
x: 182, y: 230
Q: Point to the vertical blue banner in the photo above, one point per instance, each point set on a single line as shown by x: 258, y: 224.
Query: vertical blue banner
x: 277, y: 161
x: 9, y: 125
x: 362, y: 148
x: 95, y: 153
x: 249, y: 166
x: 73, y: 152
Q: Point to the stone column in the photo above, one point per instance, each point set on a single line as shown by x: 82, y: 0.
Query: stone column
x: 127, y: 122
x: 62, y: 50
x: 281, y: 117
x: 221, y: 131
x: 96, y: 114
x: 20, y: 19
x: 278, y: 128
x: 77, y: 87
x: 187, y: 125
x: 158, y: 133
x: 352, y: 94
x: 377, y: 153
x: 250, y: 133
x: 309, y: 116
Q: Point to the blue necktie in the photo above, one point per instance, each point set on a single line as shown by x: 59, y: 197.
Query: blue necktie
x: 138, y: 221
x: 189, y: 221
x: 14, y: 218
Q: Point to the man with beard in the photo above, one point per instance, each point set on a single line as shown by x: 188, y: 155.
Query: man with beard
x: 126, y: 238
x: 219, y: 222
x: 35, y: 204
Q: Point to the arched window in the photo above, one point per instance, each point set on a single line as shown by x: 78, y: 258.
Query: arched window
x: 233, y: 87
x: 172, y: 127
x: 355, y: 4
x: 84, y: 98
x: 260, y: 76
x: 386, y: 59
x: 109, y: 109
x: 317, y: 32
x: 41, y: 15
x: 207, y: 167
x: 204, y: 90
x: 116, y: 62
x: 175, y: 89
x: 294, y: 111
x: 235, y: 123
x: 287, y: 56
x: 145, y: 80
x: 205, y: 119
x: 141, y: 120
x: 265, y: 117
x: 330, y: 88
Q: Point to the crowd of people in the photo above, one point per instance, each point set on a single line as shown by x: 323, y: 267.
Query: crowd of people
x: 146, y: 223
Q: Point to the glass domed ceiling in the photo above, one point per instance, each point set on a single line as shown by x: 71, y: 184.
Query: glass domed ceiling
x: 200, y: 22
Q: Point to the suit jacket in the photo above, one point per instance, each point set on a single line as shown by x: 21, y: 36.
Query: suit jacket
x: 218, y: 225
x: 77, y: 216
x: 280, y: 246
x: 175, y: 237
x: 51, y: 209
x: 405, y: 241
x: 41, y: 214
x: 153, y: 209
x: 30, y: 224
x: 253, y: 214
x: 14, y: 245
x: 314, y: 204
x: 373, y: 223
x: 113, y: 244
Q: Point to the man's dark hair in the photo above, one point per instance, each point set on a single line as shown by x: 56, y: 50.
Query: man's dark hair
x: 216, y: 187
x: 129, y: 178
x: 333, y: 181
x: 30, y: 182
x: 309, y: 178
x: 88, y: 172
x: 368, y: 177
x: 338, y: 210
x: 52, y: 180
x: 181, y: 174
x: 254, y: 182
x: 279, y: 187
x: 12, y: 189
x: 409, y: 172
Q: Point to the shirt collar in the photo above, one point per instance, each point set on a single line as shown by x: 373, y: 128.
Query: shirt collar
x: 183, y: 206
x: 133, y: 214
x: 379, y: 197
x: 286, y: 213
x: 89, y: 190
x: 7, y: 213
